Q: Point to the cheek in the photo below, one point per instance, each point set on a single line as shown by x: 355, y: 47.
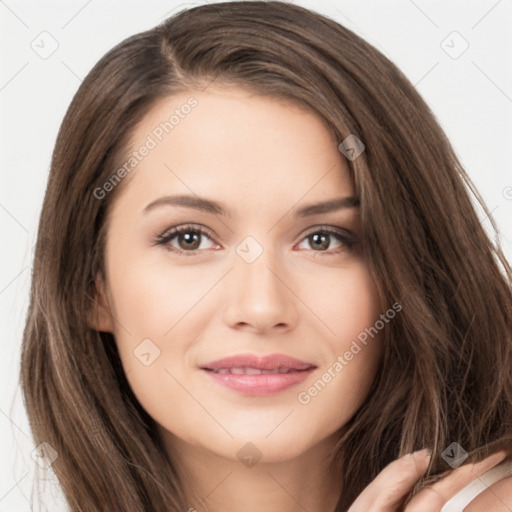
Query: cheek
x: 350, y: 307
x: 151, y: 297
x: 158, y: 314
x: 346, y: 300
x: 360, y: 343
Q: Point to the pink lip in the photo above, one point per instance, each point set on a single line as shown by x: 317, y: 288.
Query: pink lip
x: 259, y: 384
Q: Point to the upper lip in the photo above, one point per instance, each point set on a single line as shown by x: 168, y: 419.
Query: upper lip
x: 268, y: 362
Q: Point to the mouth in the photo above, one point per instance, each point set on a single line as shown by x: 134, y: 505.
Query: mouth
x: 258, y: 376
x: 255, y: 371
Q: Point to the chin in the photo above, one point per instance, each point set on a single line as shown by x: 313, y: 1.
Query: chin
x: 276, y: 447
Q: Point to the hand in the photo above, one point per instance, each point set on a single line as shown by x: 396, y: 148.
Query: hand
x: 387, y: 491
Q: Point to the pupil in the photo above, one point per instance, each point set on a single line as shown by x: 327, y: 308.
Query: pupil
x: 321, y: 239
x: 191, y: 240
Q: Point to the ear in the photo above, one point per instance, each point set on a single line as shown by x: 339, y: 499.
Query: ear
x: 100, y: 316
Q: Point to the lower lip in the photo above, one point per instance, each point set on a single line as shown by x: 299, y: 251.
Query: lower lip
x: 260, y: 385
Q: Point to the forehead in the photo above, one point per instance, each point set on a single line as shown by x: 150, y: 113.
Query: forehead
x: 223, y: 140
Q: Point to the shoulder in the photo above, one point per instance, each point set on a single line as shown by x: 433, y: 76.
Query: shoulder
x: 497, y: 497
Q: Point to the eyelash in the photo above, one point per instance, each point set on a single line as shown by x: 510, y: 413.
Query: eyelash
x: 347, y: 241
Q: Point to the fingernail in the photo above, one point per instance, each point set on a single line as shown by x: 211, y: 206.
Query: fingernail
x: 426, y: 453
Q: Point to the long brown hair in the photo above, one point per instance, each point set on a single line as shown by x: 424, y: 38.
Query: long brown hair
x: 445, y: 374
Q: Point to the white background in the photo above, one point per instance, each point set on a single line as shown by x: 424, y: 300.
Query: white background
x: 471, y: 96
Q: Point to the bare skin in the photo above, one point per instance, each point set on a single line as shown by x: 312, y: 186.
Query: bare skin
x: 386, y: 492
x: 263, y: 160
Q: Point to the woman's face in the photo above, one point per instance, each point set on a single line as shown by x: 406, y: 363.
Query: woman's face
x: 258, y: 270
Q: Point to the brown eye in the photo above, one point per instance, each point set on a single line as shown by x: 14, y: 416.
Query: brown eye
x: 322, y: 240
x: 186, y: 239
x: 319, y: 241
x: 190, y: 240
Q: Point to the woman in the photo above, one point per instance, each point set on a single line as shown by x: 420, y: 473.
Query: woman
x: 259, y: 280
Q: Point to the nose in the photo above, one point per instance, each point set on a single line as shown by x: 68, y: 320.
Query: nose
x: 259, y: 296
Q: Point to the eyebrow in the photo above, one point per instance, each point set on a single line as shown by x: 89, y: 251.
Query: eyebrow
x: 210, y: 206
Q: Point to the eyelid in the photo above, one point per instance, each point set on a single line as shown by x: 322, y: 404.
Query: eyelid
x: 191, y: 226
x: 329, y: 229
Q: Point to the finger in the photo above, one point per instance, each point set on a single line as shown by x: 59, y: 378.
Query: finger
x: 390, y: 486
x: 434, y: 497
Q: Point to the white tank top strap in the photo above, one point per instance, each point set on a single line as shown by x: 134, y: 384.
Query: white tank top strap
x: 464, y: 497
